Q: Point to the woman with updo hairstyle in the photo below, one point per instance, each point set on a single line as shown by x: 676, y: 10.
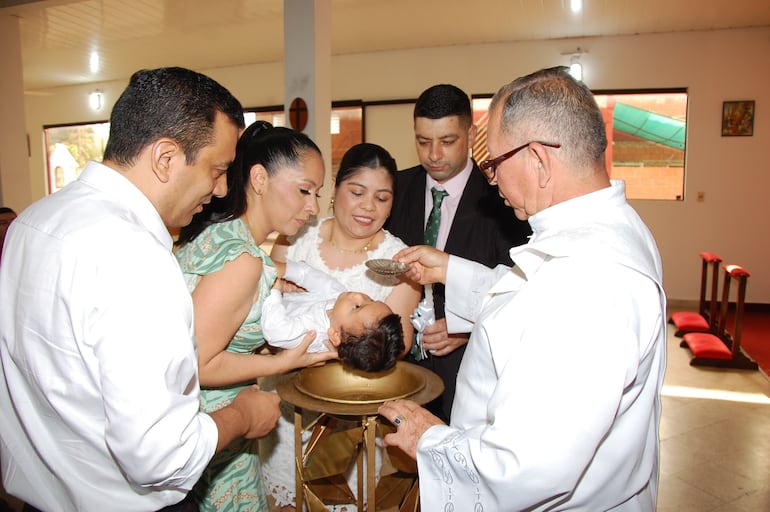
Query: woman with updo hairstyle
x: 273, y: 184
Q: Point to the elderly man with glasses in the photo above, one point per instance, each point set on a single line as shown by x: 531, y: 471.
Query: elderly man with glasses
x: 558, y: 395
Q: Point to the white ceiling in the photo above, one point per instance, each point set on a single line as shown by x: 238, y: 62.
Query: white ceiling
x: 58, y: 35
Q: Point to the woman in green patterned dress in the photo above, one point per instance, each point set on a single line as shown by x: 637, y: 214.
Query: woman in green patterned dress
x: 272, y: 186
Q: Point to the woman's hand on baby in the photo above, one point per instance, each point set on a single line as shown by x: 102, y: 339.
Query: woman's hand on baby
x: 426, y: 264
x: 299, y: 357
x: 287, y: 286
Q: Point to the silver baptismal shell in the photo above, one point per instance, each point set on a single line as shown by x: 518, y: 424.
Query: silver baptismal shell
x: 387, y: 267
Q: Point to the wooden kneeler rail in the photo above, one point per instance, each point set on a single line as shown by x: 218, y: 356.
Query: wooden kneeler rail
x: 705, y: 319
x: 722, y: 349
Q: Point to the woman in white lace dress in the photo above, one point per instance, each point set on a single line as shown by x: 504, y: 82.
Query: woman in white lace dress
x: 339, y: 245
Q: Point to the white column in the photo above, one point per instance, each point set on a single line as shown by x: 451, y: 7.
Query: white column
x: 307, y: 72
x: 15, y: 187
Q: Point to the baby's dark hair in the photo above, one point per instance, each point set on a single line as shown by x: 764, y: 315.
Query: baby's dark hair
x: 375, y: 350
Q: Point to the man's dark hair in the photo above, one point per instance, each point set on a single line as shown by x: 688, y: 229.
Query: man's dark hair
x: 444, y: 100
x: 375, y: 350
x: 168, y: 102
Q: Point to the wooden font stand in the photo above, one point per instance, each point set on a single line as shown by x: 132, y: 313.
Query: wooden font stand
x: 321, y: 465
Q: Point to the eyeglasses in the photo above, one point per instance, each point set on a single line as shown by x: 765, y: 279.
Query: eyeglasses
x: 489, y: 167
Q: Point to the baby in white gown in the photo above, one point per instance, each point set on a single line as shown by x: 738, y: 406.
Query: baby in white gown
x: 277, y: 449
x: 366, y: 333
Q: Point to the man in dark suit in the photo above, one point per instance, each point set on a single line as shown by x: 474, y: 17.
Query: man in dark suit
x: 474, y: 221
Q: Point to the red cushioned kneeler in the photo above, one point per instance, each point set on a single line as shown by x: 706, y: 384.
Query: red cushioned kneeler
x: 689, y: 321
x: 705, y: 344
x: 723, y: 348
x: 704, y: 320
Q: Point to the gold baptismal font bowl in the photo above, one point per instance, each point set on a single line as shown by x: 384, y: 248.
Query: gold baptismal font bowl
x: 345, y: 402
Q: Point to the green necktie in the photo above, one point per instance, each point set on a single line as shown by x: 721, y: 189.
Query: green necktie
x: 434, y: 219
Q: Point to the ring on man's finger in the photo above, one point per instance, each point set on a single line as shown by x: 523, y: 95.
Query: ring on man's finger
x: 398, y: 420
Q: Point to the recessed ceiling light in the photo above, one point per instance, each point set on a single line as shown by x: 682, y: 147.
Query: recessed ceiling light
x: 94, y: 62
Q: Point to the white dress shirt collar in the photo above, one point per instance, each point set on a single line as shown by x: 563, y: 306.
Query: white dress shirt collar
x: 115, y: 184
x: 454, y: 188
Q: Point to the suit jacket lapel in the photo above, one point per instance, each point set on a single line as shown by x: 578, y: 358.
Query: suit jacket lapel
x: 414, y: 208
x: 463, y: 222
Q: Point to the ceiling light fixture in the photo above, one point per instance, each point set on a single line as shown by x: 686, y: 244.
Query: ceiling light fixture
x: 575, y: 66
x: 576, y: 6
x: 95, y: 99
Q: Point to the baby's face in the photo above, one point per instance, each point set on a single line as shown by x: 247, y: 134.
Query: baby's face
x: 354, y: 311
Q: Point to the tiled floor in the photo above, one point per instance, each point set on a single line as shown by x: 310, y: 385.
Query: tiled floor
x: 715, y: 438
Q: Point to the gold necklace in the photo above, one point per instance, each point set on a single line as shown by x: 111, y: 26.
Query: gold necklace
x: 363, y: 249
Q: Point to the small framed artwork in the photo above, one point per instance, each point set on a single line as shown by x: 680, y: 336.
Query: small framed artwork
x: 738, y: 118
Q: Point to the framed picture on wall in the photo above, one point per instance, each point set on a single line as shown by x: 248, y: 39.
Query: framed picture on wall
x: 738, y: 118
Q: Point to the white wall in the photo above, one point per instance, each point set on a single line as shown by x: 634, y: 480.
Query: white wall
x: 733, y: 172
x: 14, y: 178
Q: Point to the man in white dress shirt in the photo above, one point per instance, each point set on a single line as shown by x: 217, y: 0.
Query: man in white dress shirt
x: 558, y: 395
x: 99, y: 393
